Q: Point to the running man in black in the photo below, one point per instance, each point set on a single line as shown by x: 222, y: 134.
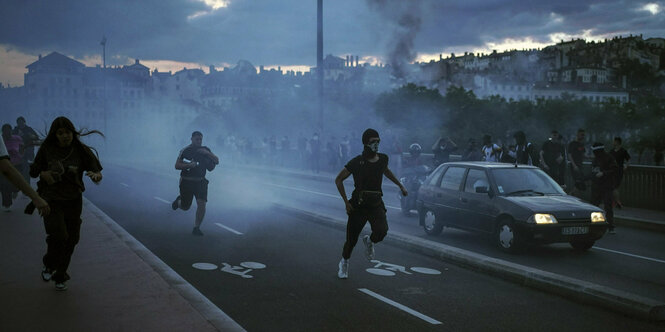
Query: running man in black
x: 366, y: 203
x: 193, y: 161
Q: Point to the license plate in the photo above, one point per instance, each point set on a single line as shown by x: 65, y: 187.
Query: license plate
x: 575, y: 230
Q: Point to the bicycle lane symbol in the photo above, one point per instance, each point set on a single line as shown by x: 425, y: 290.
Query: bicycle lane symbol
x: 388, y: 270
x: 242, y: 271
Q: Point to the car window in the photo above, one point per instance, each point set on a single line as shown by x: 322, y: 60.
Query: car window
x: 525, y: 181
x: 475, y: 178
x: 434, y: 177
x: 453, y: 178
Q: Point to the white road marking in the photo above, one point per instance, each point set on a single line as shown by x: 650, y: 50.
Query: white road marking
x: 631, y: 255
x: 124, y: 184
x: 317, y: 193
x: 399, y: 306
x: 162, y: 200
x: 228, y: 229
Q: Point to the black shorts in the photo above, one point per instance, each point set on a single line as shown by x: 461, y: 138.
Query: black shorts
x: 193, y: 188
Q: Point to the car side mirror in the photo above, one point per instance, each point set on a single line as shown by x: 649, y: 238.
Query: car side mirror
x: 482, y: 190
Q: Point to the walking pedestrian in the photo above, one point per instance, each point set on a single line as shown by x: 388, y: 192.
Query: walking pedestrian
x: 490, y: 151
x: 193, y: 162
x: 552, y: 157
x: 60, y: 164
x: 525, y: 152
x: 11, y: 174
x: 442, y: 149
x: 315, y: 155
x: 622, y: 158
x: 576, y: 154
x: 366, y: 203
x: 14, y: 147
x: 603, y: 169
x: 30, y: 140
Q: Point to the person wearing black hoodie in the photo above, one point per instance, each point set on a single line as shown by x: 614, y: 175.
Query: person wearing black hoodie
x: 366, y: 203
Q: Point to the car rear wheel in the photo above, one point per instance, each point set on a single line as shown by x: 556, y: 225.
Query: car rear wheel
x: 582, y: 245
x: 429, y: 221
x: 507, y: 237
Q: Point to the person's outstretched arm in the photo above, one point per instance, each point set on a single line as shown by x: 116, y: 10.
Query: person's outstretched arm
x: 12, y: 174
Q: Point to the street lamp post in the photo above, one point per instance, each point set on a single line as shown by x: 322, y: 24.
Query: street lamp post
x: 319, y: 60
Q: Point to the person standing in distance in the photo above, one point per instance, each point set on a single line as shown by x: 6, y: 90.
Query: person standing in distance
x: 193, y: 161
x: 366, y: 203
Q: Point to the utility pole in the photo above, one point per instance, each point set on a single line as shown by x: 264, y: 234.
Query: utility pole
x: 103, y: 43
x: 319, y: 60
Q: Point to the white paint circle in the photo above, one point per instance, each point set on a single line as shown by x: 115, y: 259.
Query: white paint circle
x: 380, y: 272
x: 425, y: 270
x: 253, y: 265
x: 204, y: 266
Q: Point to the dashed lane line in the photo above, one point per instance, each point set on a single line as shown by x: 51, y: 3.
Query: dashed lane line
x: 631, y: 255
x: 317, y: 193
x: 400, y: 306
x: 228, y: 228
x: 162, y: 200
x: 124, y: 184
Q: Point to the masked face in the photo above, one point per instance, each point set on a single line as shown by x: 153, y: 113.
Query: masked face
x: 374, y: 146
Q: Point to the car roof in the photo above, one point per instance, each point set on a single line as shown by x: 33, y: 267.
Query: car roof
x: 487, y: 164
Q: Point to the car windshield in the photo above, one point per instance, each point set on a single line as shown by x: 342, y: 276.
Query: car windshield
x: 525, y: 181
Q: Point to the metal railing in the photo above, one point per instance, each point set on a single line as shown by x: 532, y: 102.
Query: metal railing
x: 642, y: 186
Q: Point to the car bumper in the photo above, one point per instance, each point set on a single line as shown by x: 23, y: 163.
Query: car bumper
x: 560, y: 232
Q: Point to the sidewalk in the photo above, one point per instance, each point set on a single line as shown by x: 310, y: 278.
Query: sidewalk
x: 116, y: 285
x: 632, y: 217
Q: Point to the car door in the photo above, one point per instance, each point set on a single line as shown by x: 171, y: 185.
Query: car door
x: 426, y: 193
x: 447, y: 195
x: 477, y: 208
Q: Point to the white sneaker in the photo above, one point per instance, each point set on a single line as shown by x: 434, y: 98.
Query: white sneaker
x: 60, y: 286
x: 369, y: 247
x: 343, y: 272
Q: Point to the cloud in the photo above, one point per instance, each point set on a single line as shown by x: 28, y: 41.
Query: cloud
x: 268, y: 32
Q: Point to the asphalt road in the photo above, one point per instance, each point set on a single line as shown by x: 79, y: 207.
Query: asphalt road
x: 633, y: 260
x: 275, y: 272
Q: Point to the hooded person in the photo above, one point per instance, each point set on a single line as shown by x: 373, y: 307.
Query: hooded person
x: 366, y: 203
x: 603, y: 169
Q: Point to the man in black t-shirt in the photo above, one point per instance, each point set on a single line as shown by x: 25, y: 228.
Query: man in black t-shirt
x: 576, y: 154
x: 552, y: 157
x: 622, y: 158
x: 366, y: 203
x: 193, y: 161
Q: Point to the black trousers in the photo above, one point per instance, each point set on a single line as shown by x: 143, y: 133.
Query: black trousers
x: 357, y: 220
x: 63, y: 229
x: 605, y: 196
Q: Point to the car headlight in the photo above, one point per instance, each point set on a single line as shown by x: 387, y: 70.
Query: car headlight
x: 597, y: 217
x: 542, y: 218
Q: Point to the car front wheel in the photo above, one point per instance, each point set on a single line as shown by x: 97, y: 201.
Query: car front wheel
x: 507, y: 237
x: 582, y: 245
x: 430, y: 224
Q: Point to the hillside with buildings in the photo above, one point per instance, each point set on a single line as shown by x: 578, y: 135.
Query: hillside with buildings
x: 621, y: 69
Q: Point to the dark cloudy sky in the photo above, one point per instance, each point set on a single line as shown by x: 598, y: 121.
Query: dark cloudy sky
x: 174, y: 33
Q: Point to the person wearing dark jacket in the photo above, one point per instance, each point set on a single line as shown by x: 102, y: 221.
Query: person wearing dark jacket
x: 366, y: 203
x: 60, y: 164
x: 603, y: 169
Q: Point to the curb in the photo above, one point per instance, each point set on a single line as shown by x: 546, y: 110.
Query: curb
x: 218, y: 318
x: 635, y: 222
x: 570, y: 288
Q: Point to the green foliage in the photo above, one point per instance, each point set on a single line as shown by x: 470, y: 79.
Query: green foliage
x: 461, y: 115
